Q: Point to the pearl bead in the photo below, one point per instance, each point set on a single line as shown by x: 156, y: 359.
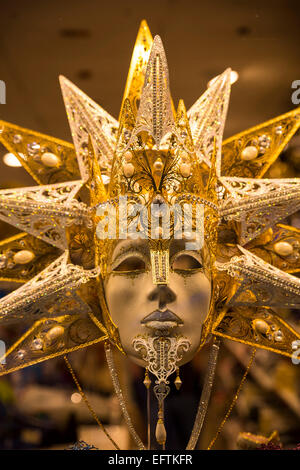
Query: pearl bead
x: 261, y: 326
x: 23, y: 257
x: 128, y: 169
x: 54, y: 333
x: 249, y: 153
x: 128, y: 156
x: 185, y: 169
x: 158, y: 165
x: 50, y: 159
x: 283, y: 248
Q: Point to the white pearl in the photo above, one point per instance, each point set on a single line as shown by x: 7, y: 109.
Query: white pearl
x: 50, y: 159
x: 23, y: 257
x: 158, y: 165
x: 54, y: 333
x: 128, y: 169
x: 185, y: 169
x: 283, y: 248
x: 249, y: 153
x: 261, y: 326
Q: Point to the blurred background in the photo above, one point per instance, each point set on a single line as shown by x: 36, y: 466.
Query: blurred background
x: 91, y: 44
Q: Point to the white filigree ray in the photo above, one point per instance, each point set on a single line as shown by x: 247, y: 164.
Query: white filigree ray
x: 207, y: 119
x: 50, y: 293
x: 259, y: 204
x: 44, y: 211
x: 155, y: 115
x: 260, y: 283
x: 87, y: 118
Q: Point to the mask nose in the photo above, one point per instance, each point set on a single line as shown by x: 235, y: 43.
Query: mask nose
x: 163, y: 295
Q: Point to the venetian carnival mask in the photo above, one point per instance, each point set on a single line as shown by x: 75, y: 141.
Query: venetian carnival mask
x: 150, y: 233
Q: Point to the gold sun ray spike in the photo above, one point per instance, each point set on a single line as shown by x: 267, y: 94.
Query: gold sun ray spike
x: 257, y: 327
x: 279, y: 246
x: 50, y: 338
x: 207, y: 119
x: 137, y: 68
x: 23, y: 256
x: 44, y: 211
x: 251, y: 153
x: 47, y: 159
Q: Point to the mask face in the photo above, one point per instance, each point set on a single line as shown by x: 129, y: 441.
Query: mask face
x: 138, y: 307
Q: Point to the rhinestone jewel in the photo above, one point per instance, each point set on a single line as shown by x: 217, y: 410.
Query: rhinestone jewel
x: 17, y: 139
x: 3, y: 261
x: 20, y: 354
x: 278, y: 336
x: 33, y: 148
x: 37, y: 344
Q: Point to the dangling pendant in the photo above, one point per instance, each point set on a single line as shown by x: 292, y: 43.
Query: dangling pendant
x: 177, y: 381
x: 147, y: 381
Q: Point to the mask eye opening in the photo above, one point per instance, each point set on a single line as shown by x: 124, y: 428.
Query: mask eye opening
x: 132, y: 263
x: 186, y: 262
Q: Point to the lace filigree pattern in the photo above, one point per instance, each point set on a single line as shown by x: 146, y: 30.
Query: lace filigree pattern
x: 44, y: 211
x: 207, y: 118
x: 49, y: 293
x: 259, y: 204
x: 259, y: 283
x: 88, y: 119
x: 155, y: 115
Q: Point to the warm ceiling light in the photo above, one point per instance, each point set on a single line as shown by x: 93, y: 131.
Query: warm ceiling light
x: 76, y: 398
x: 234, y: 76
x: 11, y: 160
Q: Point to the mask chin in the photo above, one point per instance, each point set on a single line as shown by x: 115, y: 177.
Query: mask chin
x: 162, y: 352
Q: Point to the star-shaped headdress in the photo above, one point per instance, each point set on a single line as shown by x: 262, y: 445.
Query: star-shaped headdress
x: 153, y: 150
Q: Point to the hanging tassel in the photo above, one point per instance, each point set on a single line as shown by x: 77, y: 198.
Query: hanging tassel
x: 160, y: 431
x: 177, y: 381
